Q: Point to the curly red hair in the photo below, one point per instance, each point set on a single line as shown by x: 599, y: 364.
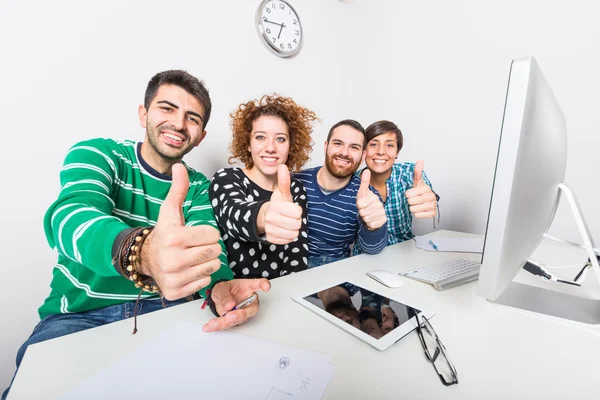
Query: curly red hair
x: 298, y: 120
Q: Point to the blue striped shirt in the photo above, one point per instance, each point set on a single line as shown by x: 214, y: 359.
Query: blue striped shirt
x: 397, y: 209
x: 333, y: 221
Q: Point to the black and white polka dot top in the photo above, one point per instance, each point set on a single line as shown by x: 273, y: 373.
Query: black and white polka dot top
x: 236, y: 201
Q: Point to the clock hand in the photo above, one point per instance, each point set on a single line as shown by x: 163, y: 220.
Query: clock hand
x: 271, y: 22
x: 280, y: 29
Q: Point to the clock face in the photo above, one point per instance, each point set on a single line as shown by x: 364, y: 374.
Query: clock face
x: 279, y: 26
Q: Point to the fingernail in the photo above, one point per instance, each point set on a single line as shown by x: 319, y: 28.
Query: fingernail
x: 205, y: 328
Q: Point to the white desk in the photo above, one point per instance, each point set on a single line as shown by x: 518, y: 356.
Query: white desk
x: 500, y: 353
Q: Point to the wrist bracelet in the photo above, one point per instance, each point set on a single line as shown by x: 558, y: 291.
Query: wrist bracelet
x: 117, y: 249
x: 127, y: 263
x: 130, y: 259
x: 209, y: 300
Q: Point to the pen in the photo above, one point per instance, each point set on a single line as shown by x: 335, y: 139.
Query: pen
x: 433, y: 245
x: 246, y: 302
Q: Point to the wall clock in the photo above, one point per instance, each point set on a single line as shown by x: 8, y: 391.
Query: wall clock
x: 279, y: 27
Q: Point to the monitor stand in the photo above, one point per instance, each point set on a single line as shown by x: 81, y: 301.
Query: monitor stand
x: 549, y: 302
x: 552, y: 303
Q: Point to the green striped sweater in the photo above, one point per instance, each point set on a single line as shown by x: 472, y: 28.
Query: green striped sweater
x: 107, y: 187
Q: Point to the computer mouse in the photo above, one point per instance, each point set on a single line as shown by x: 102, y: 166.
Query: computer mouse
x: 386, y: 278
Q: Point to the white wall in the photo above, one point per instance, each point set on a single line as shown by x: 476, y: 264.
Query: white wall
x: 444, y: 82
x: 75, y: 70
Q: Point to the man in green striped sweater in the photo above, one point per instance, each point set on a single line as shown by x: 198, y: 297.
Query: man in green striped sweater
x: 108, y: 188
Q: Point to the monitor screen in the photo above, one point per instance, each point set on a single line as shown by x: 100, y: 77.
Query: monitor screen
x: 530, y: 166
x: 528, y: 183
x: 372, y: 313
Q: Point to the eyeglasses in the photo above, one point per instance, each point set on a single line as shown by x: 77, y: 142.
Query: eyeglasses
x: 434, y: 347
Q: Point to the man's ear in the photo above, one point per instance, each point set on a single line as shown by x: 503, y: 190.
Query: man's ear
x: 143, y: 114
x: 202, y: 136
x: 325, y: 147
x: 362, y: 160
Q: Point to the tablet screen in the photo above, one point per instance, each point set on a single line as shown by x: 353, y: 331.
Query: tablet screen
x: 370, y: 312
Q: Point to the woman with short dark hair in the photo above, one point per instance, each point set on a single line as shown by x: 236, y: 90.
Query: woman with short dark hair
x: 404, y: 187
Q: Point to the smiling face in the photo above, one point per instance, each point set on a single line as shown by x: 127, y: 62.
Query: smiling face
x: 344, y: 310
x: 344, y: 151
x: 173, y: 123
x: 382, y: 150
x: 388, y: 319
x: 371, y: 328
x: 269, y: 144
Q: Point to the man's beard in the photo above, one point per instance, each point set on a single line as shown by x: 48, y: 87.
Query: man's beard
x: 166, y: 152
x: 339, y: 172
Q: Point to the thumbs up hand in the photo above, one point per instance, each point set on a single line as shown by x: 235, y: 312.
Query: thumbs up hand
x: 421, y: 199
x: 283, y: 192
x: 418, y: 174
x: 281, y: 218
x: 370, y: 208
x: 180, y: 258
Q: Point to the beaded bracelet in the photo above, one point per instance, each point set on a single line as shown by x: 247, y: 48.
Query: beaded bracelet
x: 127, y: 261
x: 131, y: 258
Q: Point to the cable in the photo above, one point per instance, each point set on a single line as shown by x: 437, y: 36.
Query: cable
x: 558, y: 266
x: 583, y: 273
x: 588, y: 265
x: 538, y: 270
x: 547, y: 236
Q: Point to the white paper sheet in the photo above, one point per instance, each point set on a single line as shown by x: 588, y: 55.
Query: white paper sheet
x: 185, y: 362
x: 462, y: 245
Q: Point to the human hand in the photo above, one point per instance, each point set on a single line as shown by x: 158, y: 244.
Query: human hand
x: 421, y: 198
x: 282, y: 217
x: 370, y: 208
x: 229, y: 293
x: 180, y: 258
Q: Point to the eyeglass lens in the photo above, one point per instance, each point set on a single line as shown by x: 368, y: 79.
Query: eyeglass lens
x: 437, y: 351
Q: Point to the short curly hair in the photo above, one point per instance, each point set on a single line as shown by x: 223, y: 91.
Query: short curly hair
x: 298, y: 120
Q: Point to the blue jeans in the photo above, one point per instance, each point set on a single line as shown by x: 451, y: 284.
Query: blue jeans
x: 57, y: 325
x: 317, y: 261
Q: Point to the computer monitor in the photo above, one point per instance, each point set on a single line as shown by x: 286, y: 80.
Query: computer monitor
x: 528, y: 182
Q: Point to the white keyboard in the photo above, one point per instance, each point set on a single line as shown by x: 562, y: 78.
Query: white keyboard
x: 447, y: 274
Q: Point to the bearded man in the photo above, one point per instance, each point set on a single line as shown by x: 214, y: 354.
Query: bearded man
x: 342, y: 207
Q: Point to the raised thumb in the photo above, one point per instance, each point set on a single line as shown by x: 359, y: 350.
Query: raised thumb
x: 284, y: 182
x: 365, y: 180
x: 171, y: 209
x: 418, y: 177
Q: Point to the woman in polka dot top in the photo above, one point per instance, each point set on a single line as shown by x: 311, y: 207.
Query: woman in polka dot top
x: 261, y: 212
